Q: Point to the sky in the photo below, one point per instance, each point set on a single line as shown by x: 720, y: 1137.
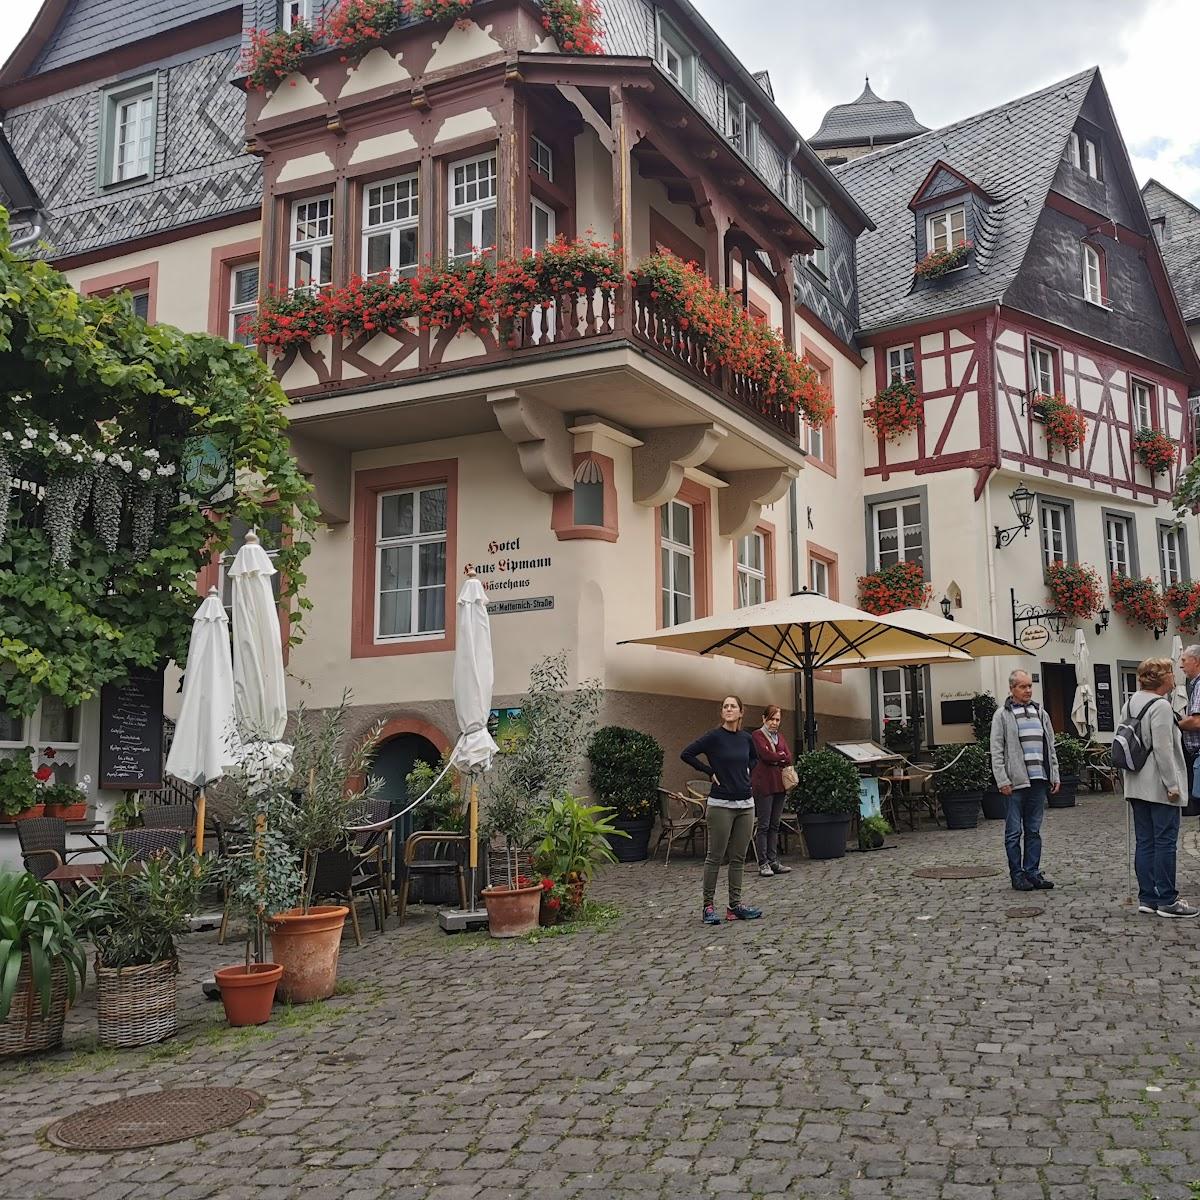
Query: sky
x: 949, y: 60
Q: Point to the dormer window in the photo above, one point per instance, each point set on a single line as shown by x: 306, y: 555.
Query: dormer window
x: 1084, y: 153
x: 675, y: 56
x: 1095, y: 276
x: 295, y: 12
x: 740, y: 126
x: 813, y: 210
x: 945, y: 230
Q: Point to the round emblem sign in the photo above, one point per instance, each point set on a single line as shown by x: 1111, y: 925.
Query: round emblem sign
x: 1034, y: 637
x: 892, y: 711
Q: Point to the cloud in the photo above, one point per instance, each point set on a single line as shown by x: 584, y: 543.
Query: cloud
x: 1151, y: 148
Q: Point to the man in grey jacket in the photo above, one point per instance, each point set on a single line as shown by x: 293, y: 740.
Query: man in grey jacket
x: 1025, y: 764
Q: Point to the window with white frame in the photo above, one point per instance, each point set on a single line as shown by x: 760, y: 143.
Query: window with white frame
x: 295, y: 12
x: 901, y: 364
x: 52, y: 725
x: 945, y: 230
x: 1170, y: 554
x: 127, y: 132
x: 897, y: 700
x: 541, y: 158
x: 1143, y: 404
x: 410, y: 563
x: 1043, y: 366
x: 1118, y: 540
x: 676, y: 57
x: 269, y: 534
x: 677, y: 551
x: 1056, y: 532
x: 1084, y: 153
x: 1093, y: 276
x: 818, y: 576
x: 390, y: 213
x: 472, y: 207
x: 1128, y: 683
x: 751, y: 569
x: 310, y: 245
x: 542, y: 224
x: 899, y: 534
x: 813, y: 209
x: 243, y: 301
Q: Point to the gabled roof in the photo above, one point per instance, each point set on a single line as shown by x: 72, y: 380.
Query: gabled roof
x: 943, y: 180
x: 867, y: 121
x: 1011, y: 152
x: 1180, y: 244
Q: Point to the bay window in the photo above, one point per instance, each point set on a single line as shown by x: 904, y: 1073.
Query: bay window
x: 472, y: 215
x: 390, y: 212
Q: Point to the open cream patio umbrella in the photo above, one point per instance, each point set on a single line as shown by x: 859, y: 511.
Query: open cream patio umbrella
x: 804, y: 632
x: 978, y: 643
x: 203, y: 747
x: 474, y: 678
x: 1083, y: 707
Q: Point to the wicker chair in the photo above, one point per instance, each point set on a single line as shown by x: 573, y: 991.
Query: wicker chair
x: 681, y: 819
x: 376, y: 850
x: 334, y: 879
x: 145, y: 844
x: 169, y: 816
x: 433, y: 852
x: 44, y: 844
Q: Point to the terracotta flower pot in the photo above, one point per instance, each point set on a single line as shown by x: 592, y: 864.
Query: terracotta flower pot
x: 306, y: 946
x: 512, y: 911
x: 67, y: 812
x: 248, y: 992
x: 36, y: 810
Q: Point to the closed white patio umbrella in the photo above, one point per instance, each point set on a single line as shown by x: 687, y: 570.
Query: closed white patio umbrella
x: 1083, y: 707
x: 1179, y: 697
x: 204, y: 745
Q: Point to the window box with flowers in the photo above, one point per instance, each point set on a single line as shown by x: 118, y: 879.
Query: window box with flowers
x: 574, y: 24
x: 1075, y: 588
x: 937, y: 263
x: 271, y: 55
x: 1183, y: 599
x: 1154, y: 450
x: 902, y: 585
x: 1066, y: 426
x: 895, y: 411
x: 356, y: 25
x: 1139, y: 601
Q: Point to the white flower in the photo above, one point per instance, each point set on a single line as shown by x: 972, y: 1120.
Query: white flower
x: 167, y: 470
x: 124, y: 464
x: 7, y: 436
x: 63, y: 447
x: 26, y: 444
x: 77, y: 457
x: 143, y: 474
x: 152, y: 455
x: 99, y: 456
x: 30, y: 432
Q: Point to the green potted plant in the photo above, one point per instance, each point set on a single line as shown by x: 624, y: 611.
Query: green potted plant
x: 67, y: 801
x: 826, y: 797
x: 18, y: 787
x: 132, y: 915
x: 323, y: 802
x: 872, y: 830
x: 626, y: 767
x: 42, y: 963
x: 962, y: 773
x: 983, y: 708
x: 1072, y: 758
x: 576, y: 839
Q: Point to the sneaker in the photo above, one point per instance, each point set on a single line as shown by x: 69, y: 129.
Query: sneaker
x: 1042, y: 884
x: 780, y: 869
x: 1021, y: 884
x: 1147, y: 908
x: 764, y: 869
x: 742, y: 912
x: 710, y: 915
x: 1178, y: 909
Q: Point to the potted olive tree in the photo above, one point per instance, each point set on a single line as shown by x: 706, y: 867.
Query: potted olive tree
x: 825, y: 797
x: 626, y: 767
x: 1072, y: 758
x: 42, y: 964
x: 962, y: 773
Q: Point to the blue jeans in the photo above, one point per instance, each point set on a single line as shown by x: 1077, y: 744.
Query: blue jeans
x: 1157, y: 829
x: 1025, y: 808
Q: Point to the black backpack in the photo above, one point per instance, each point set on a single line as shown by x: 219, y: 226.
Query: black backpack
x: 1129, y: 748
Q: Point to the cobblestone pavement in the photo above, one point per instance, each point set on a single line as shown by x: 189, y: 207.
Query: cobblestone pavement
x: 877, y: 1035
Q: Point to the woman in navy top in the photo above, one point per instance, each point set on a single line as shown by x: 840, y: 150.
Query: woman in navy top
x: 726, y: 755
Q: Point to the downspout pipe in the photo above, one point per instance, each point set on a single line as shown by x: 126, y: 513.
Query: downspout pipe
x: 33, y: 234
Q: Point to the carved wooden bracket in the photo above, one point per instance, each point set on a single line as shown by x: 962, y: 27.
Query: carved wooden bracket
x: 659, y: 463
x: 327, y: 468
x: 539, y: 432
x: 740, y: 505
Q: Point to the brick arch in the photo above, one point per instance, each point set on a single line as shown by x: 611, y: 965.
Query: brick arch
x: 404, y: 724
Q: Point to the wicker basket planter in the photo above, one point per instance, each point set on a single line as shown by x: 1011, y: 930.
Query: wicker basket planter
x: 26, y: 1031
x: 136, y: 1006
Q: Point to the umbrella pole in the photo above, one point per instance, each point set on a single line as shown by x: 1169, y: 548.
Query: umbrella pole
x: 201, y: 803
x: 473, y: 843
x: 810, y: 717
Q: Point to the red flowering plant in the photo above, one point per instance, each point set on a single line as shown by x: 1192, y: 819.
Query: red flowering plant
x: 287, y: 319
x: 732, y: 337
x: 1139, y: 601
x: 895, y: 411
x: 941, y: 262
x: 271, y: 55
x: 1184, y: 600
x: 1075, y: 588
x: 457, y: 295
x: 1154, y: 450
x: 355, y: 24
x: 555, y: 900
x: 574, y: 24
x: 1066, y: 426
x: 438, y: 10
x: 902, y: 585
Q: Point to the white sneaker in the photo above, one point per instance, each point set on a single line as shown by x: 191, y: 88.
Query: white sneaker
x: 764, y: 869
x: 1147, y: 908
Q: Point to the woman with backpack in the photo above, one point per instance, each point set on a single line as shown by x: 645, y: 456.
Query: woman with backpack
x: 1157, y: 789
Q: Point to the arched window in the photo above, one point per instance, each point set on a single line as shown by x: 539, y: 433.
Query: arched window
x: 589, y: 509
x: 589, y: 493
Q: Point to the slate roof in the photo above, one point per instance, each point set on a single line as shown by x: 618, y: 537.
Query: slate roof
x: 1012, y: 152
x: 867, y: 121
x: 1180, y: 244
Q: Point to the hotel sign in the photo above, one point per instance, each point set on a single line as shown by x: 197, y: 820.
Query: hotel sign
x: 526, y: 604
x: 507, y: 569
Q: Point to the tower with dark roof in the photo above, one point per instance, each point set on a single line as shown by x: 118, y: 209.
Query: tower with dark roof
x: 851, y: 130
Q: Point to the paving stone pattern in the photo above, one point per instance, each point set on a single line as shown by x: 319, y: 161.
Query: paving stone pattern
x: 876, y: 1035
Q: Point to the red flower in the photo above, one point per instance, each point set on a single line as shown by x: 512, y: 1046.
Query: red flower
x: 902, y: 585
x: 1066, y: 426
x: 896, y: 410
x: 43, y: 773
x: 547, y: 885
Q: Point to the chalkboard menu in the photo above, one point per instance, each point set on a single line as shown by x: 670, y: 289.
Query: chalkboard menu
x: 131, y: 729
x: 1104, y: 698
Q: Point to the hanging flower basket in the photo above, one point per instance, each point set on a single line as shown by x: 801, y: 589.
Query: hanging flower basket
x: 895, y: 411
x: 1075, y: 588
x: 941, y: 262
x: 1183, y: 599
x: 272, y: 55
x: 1139, y: 601
x: 1155, y: 451
x: 1066, y: 426
x: 902, y: 585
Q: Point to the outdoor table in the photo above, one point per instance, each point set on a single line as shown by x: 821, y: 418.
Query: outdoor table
x: 93, y: 831
x: 74, y: 877
x: 898, y: 796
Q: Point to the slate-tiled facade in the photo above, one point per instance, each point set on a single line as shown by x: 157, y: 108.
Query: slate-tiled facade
x: 1179, y: 239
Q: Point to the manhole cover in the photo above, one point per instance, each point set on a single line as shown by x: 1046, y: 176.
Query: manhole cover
x: 954, y: 872
x: 1017, y: 913
x: 153, y: 1119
